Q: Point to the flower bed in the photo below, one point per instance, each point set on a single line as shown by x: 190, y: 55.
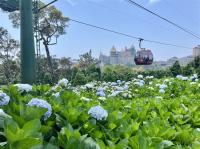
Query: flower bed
x: 140, y: 114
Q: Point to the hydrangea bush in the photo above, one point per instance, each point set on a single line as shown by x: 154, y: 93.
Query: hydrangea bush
x: 143, y: 113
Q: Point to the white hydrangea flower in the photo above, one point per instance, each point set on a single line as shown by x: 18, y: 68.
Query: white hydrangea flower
x: 119, y: 81
x: 149, y: 77
x: 140, y: 83
x: 102, y: 98
x: 98, y: 113
x: 43, y: 104
x: 76, y: 91
x: 151, y: 88
x: 56, y: 94
x: 115, y: 93
x: 172, y: 95
x: 126, y: 87
x: 166, y: 80
x: 86, y: 99
x: 63, y: 82
x: 125, y: 95
x: 54, y: 87
x: 4, y: 99
x: 150, y: 83
x: 114, y: 84
x: 89, y: 86
x: 182, y: 77
x: 198, y: 129
x: 100, y: 89
x: 140, y: 76
x: 24, y: 87
x: 3, y: 114
x: 193, y: 83
x: 118, y: 88
x: 195, y: 75
x: 159, y: 97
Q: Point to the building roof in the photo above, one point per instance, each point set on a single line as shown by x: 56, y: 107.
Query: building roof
x: 113, y: 49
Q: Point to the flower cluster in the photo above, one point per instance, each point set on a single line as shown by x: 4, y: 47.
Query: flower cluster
x: 63, y: 82
x: 4, y: 99
x: 23, y: 87
x: 140, y: 83
x: 43, y: 104
x: 98, y: 113
x: 101, y: 93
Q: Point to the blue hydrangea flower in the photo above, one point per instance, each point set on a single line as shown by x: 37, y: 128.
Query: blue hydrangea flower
x: 24, y: 87
x: 163, y: 86
x: 63, y: 82
x: 162, y: 91
x: 4, y: 99
x: 119, y: 81
x: 101, y: 93
x: 43, y: 104
x: 114, y: 84
x: 98, y: 113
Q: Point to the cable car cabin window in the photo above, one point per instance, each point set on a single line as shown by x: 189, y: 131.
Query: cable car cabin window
x: 144, y: 57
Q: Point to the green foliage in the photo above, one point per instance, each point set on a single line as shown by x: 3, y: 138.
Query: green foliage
x: 148, y: 119
x: 9, y: 67
x: 117, y: 72
x: 176, y: 69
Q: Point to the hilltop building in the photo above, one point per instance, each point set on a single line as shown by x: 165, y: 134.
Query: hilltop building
x: 123, y: 57
x: 196, y: 51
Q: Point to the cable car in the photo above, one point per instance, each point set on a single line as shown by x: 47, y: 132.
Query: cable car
x: 143, y: 56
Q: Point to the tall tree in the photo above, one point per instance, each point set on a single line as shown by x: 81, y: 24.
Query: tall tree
x: 52, y: 24
x: 8, y: 53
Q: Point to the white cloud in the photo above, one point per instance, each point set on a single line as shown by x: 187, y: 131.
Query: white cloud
x: 154, y: 1
x: 72, y: 2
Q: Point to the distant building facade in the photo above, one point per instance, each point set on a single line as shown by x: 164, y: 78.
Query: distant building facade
x: 124, y: 57
x: 196, y: 51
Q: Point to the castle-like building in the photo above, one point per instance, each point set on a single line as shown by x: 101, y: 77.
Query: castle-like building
x: 196, y: 51
x: 123, y: 57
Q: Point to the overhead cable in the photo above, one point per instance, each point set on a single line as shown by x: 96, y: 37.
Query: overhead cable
x: 157, y: 15
x: 127, y: 35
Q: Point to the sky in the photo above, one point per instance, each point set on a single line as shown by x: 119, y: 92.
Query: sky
x: 121, y: 16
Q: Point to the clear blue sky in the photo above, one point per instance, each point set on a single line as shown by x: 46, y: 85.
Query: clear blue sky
x: 119, y: 15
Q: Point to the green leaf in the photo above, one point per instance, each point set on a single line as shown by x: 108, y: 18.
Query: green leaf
x: 112, y: 126
x: 27, y: 143
x: 31, y: 127
x: 142, y: 142
x: 88, y: 143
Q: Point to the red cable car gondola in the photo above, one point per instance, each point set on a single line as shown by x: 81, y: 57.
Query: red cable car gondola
x: 143, y: 56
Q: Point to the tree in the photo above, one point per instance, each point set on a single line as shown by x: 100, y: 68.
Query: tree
x: 65, y: 63
x: 51, y: 26
x: 43, y: 75
x: 176, y: 69
x: 187, y: 70
x: 8, y: 53
x: 86, y: 60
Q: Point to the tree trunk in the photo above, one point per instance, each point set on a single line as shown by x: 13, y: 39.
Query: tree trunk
x: 49, y: 60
